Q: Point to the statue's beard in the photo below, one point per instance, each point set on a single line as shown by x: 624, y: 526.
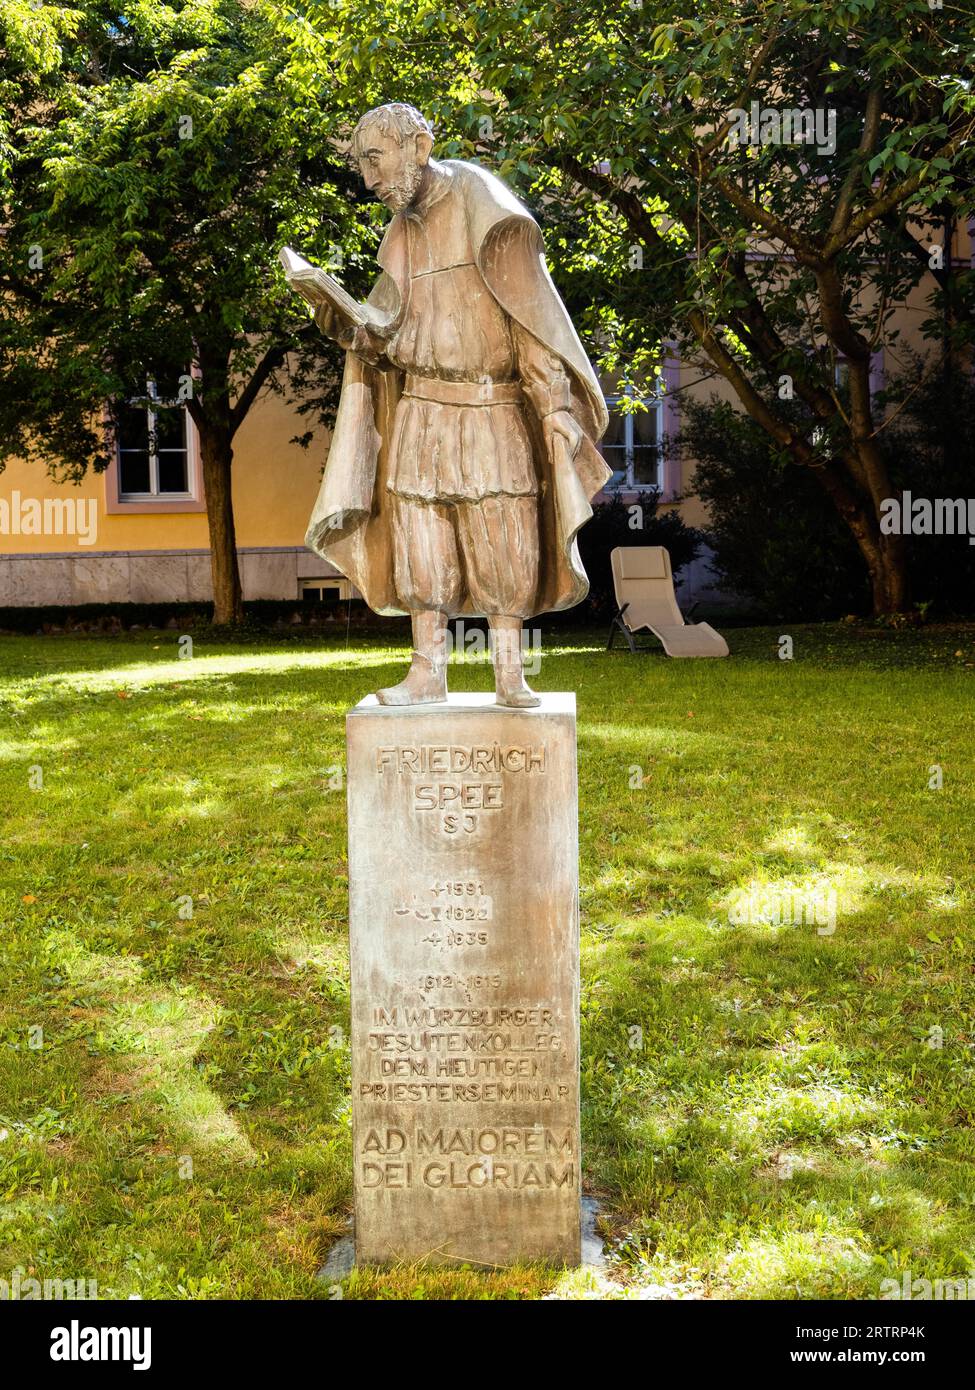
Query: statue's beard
x: 399, y: 195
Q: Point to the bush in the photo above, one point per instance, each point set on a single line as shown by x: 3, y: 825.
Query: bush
x: 776, y: 537
x: 931, y: 449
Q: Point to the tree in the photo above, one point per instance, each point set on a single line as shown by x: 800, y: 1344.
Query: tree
x: 151, y: 170
x: 775, y: 265
x: 766, y: 511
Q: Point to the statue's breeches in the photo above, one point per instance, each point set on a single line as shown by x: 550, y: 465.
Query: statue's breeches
x: 475, y: 556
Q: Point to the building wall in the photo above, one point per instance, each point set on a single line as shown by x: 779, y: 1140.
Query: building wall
x: 274, y: 487
x: 148, y: 553
x: 67, y: 578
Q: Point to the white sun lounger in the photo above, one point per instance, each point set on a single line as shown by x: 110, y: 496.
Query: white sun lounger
x: 646, y: 600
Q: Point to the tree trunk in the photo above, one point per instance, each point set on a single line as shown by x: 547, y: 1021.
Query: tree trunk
x: 885, y: 556
x: 890, y: 581
x: 217, y: 453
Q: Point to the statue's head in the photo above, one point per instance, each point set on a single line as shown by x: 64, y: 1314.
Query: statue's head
x: 391, y: 145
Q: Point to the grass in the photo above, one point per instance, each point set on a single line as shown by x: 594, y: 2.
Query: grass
x: 767, y: 1111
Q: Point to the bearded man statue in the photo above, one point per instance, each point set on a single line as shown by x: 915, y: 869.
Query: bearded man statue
x: 463, y: 460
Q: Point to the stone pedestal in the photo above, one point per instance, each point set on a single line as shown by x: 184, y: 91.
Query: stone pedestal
x: 463, y: 879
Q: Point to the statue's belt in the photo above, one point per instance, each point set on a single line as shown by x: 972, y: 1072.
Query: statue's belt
x: 463, y: 392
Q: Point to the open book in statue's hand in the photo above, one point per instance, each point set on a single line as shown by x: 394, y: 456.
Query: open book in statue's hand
x: 323, y: 291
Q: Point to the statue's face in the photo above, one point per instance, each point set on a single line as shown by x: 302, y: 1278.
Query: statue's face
x: 389, y: 169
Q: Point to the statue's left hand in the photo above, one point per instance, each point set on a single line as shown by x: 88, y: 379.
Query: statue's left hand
x: 561, y: 425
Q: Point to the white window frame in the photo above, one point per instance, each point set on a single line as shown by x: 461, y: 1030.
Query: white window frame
x: 653, y: 405
x: 192, y: 460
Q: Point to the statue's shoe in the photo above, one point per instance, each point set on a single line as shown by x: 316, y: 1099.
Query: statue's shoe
x: 515, y: 694
x: 422, y: 686
x: 402, y: 695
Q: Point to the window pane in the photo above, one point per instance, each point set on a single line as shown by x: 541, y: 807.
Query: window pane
x: 615, y: 430
x: 172, y: 471
x: 167, y: 388
x: 170, y: 429
x: 613, y: 446
x: 328, y: 593
x: 645, y: 466
x: 645, y: 426
x: 615, y: 457
x: 134, y: 470
x: 133, y: 427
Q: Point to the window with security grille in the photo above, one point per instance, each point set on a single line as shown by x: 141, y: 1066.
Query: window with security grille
x: 152, y: 437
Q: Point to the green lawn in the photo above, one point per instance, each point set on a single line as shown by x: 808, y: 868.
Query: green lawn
x: 785, y: 1123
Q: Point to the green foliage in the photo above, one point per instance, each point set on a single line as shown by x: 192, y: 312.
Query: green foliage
x: 158, y: 163
x: 778, y: 540
x: 546, y: 93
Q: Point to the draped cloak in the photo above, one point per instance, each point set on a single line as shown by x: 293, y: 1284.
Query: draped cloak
x: 350, y: 526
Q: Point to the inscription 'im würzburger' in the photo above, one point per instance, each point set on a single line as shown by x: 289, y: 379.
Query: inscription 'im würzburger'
x: 491, y: 1016
x: 489, y: 1029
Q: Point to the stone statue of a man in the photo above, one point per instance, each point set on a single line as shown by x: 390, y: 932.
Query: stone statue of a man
x: 463, y: 459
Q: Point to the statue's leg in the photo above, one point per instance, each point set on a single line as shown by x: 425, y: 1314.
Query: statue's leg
x: 509, y: 674
x: 426, y: 681
x: 499, y: 543
x: 427, y: 572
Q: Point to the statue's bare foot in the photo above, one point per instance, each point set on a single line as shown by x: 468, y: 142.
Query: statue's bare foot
x: 512, y: 690
x: 425, y: 684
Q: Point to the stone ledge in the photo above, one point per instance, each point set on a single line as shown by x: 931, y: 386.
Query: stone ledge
x: 66, y: 578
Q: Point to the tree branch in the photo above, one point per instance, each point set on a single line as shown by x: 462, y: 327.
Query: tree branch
x: 268, y: 364
x: 859, y: 224
x: 868, y: 142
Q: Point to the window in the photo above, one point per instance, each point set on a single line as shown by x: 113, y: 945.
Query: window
x: 327, y: 591
x: 153, y: 448
x: 631, y: 446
